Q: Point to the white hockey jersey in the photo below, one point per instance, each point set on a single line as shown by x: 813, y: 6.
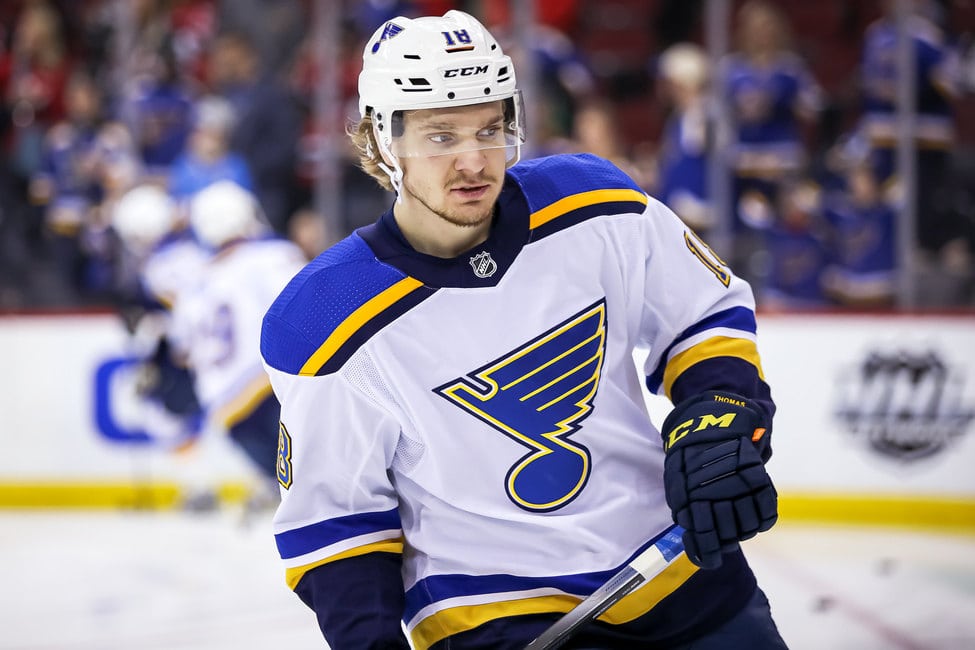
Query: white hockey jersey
x: 483, y: 415
x: 173, y: 267
x: 216, y: 324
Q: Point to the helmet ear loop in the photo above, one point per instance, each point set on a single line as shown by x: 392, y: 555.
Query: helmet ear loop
x: 389, y: 164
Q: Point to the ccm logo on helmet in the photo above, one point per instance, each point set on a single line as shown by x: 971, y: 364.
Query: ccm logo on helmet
x: 469, y: 71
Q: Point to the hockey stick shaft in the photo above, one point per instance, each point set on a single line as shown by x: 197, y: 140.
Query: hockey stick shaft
x: 642, y: 568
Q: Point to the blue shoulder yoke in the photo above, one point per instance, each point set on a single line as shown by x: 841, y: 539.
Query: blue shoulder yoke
x: 334, y: 300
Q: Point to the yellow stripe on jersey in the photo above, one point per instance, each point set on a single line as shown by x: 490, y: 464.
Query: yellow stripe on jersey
x: 244, y: 404
x: 293, y: 575
x: 581, y: 200
x: 355, y: 320
x: 455, y: 620
x: 648, y: 595
x: 719, y: 346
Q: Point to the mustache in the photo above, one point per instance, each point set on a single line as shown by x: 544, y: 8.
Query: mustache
x: 462, y: 180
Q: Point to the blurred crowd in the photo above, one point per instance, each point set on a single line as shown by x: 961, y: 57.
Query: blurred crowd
x: 99, y: 97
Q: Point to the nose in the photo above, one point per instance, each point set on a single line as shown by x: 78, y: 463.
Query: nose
x: 470, y: 161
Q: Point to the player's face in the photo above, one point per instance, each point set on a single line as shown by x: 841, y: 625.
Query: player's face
x: 458, y: 165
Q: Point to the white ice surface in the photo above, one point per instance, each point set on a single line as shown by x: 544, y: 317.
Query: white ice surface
x: 175, y: 581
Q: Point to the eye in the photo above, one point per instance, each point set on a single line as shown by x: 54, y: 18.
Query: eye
x: 489, y: 132
x: 440, y: 138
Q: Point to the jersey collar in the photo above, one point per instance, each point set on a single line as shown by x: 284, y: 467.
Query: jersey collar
x: 482, y: 266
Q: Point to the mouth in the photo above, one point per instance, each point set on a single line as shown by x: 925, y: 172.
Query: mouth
x: 470, y: 191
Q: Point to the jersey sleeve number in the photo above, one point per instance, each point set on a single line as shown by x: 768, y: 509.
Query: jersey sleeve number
x: 284, y: 457
x: 708, y: 258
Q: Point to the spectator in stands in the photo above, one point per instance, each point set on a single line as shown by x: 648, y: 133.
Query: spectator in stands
x: 34, y: 68
x: 682, y: 179
x: 268, y: 125
x: 565, y: 84
x: 936, y: 83
x: 208, y: 157
x: 595, y: 130
x: 274, y: 28
x: 158, y: 107
x: 33, y: 76
x: 798, y: 250
x: 769, y: 93
x: 863, y: 240
x: 66, y: 183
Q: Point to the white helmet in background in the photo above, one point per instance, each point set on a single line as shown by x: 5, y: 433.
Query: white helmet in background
x: 436, y: 62
x: 223, y: 212
x: 686, y: 64
x: 143, y: 216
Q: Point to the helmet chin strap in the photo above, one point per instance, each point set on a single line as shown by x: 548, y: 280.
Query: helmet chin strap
x: 395, y: 178
x: 393, y: 170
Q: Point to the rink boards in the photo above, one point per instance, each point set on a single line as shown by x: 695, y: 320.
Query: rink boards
x: 875, y: 420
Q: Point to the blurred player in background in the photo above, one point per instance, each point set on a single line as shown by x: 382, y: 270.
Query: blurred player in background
x: 464, y: 447
x: 157, y: 238
x: 216, y: 324
x: 165, y: 260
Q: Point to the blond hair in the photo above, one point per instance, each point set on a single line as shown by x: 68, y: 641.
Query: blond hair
x: 365, y: 145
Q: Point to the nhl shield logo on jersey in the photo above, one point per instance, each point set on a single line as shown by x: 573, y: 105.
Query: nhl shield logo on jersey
x: 538, y: 395
x: 483, y: 264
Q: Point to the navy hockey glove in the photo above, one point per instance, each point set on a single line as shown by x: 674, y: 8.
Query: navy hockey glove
x: 714, y: 474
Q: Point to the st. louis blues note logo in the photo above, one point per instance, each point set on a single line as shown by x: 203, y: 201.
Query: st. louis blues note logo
x: 538, y: 395
x: 389, y: 31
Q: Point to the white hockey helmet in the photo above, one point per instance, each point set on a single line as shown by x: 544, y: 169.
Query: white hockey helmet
x: 143, y: 216
x: 437, y: 62
x: 223, y: 212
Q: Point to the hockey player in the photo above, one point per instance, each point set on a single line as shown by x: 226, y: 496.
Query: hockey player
x: 157, y: 244
x: 216, y: 326
x: 165, y: 260
x: 464, y: 447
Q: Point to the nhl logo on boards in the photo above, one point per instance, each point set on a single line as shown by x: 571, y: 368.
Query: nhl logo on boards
x: 484, y: 266
x: 904, y: 405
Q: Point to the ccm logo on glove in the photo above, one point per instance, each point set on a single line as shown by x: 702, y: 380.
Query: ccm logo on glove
x: 714, y: 474
x: 723, y: 421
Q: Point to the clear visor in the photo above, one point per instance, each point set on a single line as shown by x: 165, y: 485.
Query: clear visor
x: 428, y: 133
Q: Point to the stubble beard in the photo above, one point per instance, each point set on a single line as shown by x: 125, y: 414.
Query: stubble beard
x: 466, y: 219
